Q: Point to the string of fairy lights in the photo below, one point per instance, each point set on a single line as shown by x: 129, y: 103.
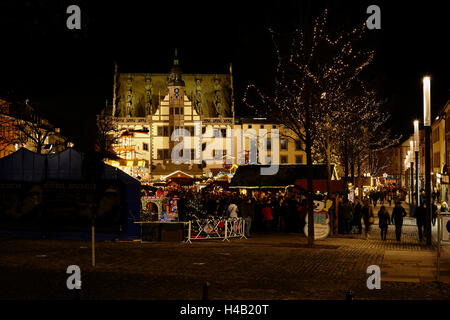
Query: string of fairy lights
x: 319, y: 80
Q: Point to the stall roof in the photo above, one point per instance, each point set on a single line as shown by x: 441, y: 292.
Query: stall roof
x: 25, y: 165
x: 249, y: 176
x: 178, y: 174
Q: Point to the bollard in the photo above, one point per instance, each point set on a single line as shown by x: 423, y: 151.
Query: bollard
x: 349, y: 296
x: 205, y: 290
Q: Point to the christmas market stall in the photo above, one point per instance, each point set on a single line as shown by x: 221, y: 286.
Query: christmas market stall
x: 160, y: 221
x: 248, y: 178
x: 159, y: 218
x: 67, y: 192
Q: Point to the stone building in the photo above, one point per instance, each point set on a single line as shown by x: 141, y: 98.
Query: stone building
x: 147, y: 109
x: 22, y: 126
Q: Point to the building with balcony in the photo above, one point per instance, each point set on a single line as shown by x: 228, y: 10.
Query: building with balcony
x: 197, y: 110
x: 22, y: 126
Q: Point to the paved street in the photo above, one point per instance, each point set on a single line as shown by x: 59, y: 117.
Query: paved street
x: 266, y: 266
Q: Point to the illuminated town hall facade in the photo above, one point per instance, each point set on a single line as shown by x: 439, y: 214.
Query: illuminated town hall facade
x: 147, y: 108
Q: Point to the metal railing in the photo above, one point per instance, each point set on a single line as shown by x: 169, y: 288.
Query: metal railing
x: 213, y: 228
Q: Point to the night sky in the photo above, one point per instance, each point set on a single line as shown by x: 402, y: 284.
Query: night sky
x: 68, y: 74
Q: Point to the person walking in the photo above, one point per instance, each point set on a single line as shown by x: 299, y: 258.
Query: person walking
x: 247, y: 212
x: 398, y: 213
x: 383, y: 222
x: 267, y: 214
x: 421, y: 213
x: 434, y: 210
x: 284, y: 212
x: 357, y: 218
x: 367, y: 215
x: 303, y: 212
x: 232, y: 209
x: 347, y: 215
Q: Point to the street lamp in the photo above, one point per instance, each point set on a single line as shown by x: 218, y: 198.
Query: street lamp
x: 411, y: 160
x: 416, y: 151
x: 427, y: 124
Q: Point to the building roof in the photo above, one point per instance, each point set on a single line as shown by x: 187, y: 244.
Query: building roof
x: 210, y: 94
x: 250, y: 175
x: 25, y: 165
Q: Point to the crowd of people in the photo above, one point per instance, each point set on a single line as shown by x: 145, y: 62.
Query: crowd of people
x: 387, y: 195
x: 267, y: 212
x: 286, y: 211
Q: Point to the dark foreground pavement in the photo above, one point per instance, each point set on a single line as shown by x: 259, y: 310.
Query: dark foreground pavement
x: 276, y: 266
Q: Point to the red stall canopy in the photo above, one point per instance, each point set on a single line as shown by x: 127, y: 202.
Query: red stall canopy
x: 320, y: 185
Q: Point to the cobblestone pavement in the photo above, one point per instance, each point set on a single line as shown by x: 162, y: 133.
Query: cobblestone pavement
x: 265, y: 266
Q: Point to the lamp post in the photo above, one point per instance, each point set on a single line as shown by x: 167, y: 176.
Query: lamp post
x: 408, y: 176
x: 411, y: 160
x: 416, y: 151
x: 427, y: 124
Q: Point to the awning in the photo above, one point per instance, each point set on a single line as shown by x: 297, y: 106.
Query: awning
x: 178, y: 175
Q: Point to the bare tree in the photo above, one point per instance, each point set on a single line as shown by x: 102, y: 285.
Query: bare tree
x: 107, y: 135
x: 311, y: 89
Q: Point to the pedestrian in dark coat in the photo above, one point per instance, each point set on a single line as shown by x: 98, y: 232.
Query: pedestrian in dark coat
x: 383, y: 221
x: 367, y: 215
x: 434, y: 210
x: 303, y: 212
x: 248, y: 213
x: 357, y: 217
x: 347, y: 215
x: 421, y: 213
x: 397, y: 217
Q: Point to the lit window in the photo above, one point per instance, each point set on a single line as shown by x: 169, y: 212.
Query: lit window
x: 283, y: 144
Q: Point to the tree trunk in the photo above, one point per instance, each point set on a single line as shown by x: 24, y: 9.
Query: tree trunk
x: 360, y: 191
x: 345, y: 170
x: 352, y: 169
x: 310, y: 191
x: 327, y: 161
